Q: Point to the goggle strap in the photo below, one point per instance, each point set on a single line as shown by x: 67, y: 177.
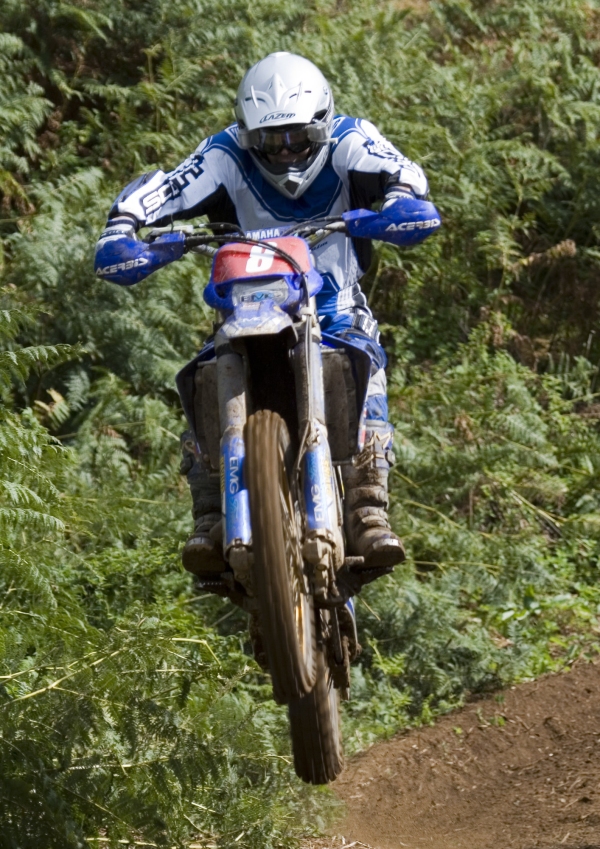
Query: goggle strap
x: 248, y: 138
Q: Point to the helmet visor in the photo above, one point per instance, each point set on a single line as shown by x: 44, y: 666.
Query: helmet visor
x: 276, y: 140
x: 295, y: 139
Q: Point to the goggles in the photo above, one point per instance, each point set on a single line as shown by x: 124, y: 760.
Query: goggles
x: 294, y: 139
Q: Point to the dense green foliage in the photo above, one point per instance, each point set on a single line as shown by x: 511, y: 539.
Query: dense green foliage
x: 130, y: 707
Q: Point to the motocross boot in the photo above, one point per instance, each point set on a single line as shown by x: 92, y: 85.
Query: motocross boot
x: 203, y: 553
x: 368, y: 531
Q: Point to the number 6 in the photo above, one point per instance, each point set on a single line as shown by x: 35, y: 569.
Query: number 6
x: 260, y: 259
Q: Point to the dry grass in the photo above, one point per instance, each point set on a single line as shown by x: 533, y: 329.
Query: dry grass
x: 337, y: 842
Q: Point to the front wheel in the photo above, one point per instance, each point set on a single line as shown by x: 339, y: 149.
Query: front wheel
x: 285, y: 605
x: 315, y: 730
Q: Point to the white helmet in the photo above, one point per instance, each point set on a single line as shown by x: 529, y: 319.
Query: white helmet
x: 284, y: 101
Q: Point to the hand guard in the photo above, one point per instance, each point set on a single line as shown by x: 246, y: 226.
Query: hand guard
x: 406, y: 221
x: 125, y: 260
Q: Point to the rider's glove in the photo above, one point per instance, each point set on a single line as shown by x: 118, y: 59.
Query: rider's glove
x: 396, y: 190
x: 122, y: 258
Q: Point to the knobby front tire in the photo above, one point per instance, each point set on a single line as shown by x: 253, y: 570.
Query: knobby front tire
x: 286, y: 613
x: 315, y: 730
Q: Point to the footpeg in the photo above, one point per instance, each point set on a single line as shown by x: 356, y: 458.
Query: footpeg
x: 353, y: 576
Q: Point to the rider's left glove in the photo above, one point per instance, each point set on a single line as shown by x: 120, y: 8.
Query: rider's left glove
x: 122, y: 258
x: 396, y: 191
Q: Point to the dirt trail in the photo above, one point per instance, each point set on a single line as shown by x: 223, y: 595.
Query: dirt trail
x: 513, y: 774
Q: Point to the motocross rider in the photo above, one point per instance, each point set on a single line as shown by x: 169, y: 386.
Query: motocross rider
x: 288, y: 159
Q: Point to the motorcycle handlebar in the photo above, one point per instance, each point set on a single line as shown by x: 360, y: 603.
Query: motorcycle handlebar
x: 194, y: 240
x: 404, y: 222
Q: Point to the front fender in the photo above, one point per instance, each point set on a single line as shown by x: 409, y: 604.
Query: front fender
x: 256, y: 318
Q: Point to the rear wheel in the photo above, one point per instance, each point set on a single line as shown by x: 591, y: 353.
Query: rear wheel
x: 285, y: 605
x: 315, y: 730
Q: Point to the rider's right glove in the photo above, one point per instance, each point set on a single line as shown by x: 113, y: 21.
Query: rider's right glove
x: 122, y: 258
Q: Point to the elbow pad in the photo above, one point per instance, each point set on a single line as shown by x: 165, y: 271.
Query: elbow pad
x: 123, y: 259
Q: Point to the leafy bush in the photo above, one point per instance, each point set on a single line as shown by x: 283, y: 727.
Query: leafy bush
x: 122, y: 712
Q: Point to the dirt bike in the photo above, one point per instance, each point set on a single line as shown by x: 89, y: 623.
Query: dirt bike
x: 277, y: 406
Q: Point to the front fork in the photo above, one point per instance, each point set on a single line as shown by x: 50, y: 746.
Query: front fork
x: 323, y: 543
x: 235, y: 505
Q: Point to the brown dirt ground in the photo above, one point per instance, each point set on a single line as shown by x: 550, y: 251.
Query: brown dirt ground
x: 515, y: 771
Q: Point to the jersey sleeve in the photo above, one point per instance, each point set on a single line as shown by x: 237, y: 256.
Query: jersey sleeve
x: 371, y: 162
x: 190, y: 190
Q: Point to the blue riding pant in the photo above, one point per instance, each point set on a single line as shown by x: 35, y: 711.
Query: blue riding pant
x: 346, y: 326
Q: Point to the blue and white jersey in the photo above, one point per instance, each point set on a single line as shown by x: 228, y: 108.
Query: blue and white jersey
x: 221, y: 180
